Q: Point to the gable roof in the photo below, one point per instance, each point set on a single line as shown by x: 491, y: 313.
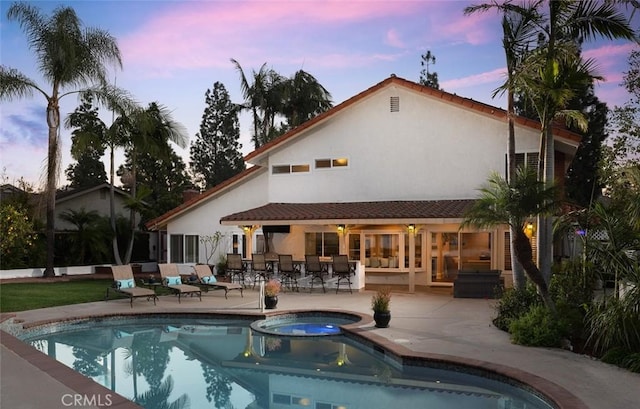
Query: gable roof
x: 255, y: 157
x: 209, y: 194
x: 70, y: 194
x: 290, y: 213
x: 465, y: 103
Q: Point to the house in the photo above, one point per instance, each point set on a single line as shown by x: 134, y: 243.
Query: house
x: 384, y: 177
x: 90, y: 198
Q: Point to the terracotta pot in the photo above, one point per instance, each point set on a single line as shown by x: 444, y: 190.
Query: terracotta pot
x: 270, y: 301
x: 382, y: 318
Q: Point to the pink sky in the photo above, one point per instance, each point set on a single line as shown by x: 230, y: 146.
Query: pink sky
x: 174, y: 51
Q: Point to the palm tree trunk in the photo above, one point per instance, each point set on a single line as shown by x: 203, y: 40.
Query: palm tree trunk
x: 524, y: 253
x: 132, y: 213
x: 112, y: 211
x: 545, y: 227
x: 53, y: 120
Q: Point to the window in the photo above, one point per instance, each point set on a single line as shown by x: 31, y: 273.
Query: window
x: 191, y: 248
x: 327, y: 163
x: 283, y: 169
x: 184, y: 248
x: 418, y: 250
x: 176, y: 252
x: 321, y: 244
x: 382, y: 250
x: 528, y: 159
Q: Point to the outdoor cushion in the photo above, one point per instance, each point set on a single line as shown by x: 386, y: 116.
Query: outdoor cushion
x: 126, y: 283
x: 173, y: 280
x: 209, y: 279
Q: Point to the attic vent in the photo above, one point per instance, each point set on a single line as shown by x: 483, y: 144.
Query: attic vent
x: 394, y: 104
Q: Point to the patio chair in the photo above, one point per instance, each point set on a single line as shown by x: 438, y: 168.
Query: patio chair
x: 125, y: 284
x: 208, y: 280
x: 314, y: 267
x: 172, y: 281
x: 343, y: 270
x: 289, y: 272
x: 260, y: 269
x: 236, y: 268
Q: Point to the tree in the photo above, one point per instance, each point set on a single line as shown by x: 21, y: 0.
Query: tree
x: 271, y: 95
x: 71, y: 59
x: 163, y: 180
x: 215, y: 154
x: 515, y: 203
x: 87, y: 150
x: 519, y: 33
x: 551, y: 74
x: 148, y: 131
x: 583, y: 184
x: 18, y: 236
x: 304, y: 98
x: 427, y: 78
x: 89, y: 238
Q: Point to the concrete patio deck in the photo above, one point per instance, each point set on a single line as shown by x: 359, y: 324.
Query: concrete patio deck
x: 427, y: 324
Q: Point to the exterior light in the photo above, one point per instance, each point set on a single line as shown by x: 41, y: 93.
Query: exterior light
x: 246, y: 229
x: 341, y: 228
x: 528, y: 230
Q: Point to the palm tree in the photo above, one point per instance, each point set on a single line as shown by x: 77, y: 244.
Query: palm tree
x: 88, y: 236
x: 149, y: 130
x: 253, y: 95
x: 304, y: 98
x: 71, y: 59
x: 515, y: 203
x: 519, y: 28
x: 569, y: 21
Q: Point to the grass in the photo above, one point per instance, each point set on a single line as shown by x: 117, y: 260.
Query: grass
x: 29, y: 296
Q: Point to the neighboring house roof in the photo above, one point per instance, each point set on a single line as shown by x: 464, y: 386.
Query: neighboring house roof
x: 70, y: 194
x: 278, y: 213
x: 258, y: 154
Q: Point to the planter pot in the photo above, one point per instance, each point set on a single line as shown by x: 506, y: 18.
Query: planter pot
x: 382, y: 319
x: 270, y: 301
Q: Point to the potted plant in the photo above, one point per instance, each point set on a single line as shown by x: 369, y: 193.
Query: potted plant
x: 271, y: 290
x: 380, y: 304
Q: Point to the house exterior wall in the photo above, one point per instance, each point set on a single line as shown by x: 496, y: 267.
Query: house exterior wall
x: 204, y: 220
x: 431, y: 149
x: 97, y: 200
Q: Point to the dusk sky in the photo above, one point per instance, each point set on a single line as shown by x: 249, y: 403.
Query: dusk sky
x: 174, y: 51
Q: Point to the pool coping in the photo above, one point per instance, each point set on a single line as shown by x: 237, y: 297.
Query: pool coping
x: 362, y: 330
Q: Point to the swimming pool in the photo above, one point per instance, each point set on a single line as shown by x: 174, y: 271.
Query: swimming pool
x: 223, y: 362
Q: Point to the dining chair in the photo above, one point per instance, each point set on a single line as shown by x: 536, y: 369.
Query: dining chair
x: 289, y: 272
x: 259, y: 269
x: 343, y: 270
x: 236, y: 268
x: 314, y: 267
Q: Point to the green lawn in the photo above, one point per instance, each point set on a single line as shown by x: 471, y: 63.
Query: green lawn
x: 29, y: 296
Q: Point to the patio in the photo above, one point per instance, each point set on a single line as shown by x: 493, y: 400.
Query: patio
x: 433, y: 324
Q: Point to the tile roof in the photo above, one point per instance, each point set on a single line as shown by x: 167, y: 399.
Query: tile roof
x: 415, y: 209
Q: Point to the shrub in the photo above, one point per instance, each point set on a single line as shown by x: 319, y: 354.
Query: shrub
x: 538, y: 327
x: 513, y: 304
x: 615, y: 323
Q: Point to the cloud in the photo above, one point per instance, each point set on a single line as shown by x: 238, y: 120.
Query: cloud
x: 393, y: 39
x: 495, y: 76
x: 202, y: 35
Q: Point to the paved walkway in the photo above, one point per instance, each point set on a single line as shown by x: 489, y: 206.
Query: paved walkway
x: 423, y: 323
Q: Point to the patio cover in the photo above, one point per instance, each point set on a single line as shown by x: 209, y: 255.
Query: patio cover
x: 412, y: 211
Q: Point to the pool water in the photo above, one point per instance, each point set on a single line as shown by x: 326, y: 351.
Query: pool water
x: 197, y: 363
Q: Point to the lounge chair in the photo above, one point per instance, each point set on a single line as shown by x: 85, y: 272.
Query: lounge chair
x: 208, y: 280
x: 172, y: 281
x: 125, y: 284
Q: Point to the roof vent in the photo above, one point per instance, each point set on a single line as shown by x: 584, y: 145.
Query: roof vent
x: 394, y: 104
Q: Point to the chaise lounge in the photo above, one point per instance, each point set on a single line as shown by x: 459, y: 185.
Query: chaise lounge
x: 173, y: 282
x: 208, y: 280
x: 124, y: 283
